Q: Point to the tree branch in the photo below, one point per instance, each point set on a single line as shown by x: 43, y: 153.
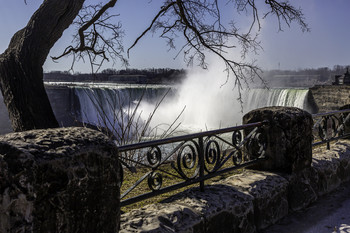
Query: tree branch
x: 92, y: 22
x: 162, y: 11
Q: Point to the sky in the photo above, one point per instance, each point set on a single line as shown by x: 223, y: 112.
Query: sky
x: 326, y: 45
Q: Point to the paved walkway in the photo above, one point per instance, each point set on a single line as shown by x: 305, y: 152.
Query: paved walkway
x: 330, y: 214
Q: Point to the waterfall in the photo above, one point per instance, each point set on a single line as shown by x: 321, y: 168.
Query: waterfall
x: 91, y: 101
x: 115, y: 107
x: 257, y: 98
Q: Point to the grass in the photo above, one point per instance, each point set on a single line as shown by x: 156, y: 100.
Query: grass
x: 131, y: 178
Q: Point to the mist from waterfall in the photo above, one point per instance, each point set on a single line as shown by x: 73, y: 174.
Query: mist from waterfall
x: 207, y: 99
x: 211, y: 101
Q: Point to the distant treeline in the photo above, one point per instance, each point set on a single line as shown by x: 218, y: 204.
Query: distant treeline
x: 303, y: 77
x: 324, y: 73
x: 137, y: 76
x: 277, y: 78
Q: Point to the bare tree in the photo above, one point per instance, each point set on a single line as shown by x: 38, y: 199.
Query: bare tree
x: 98, y: 38
x: 21, y: 72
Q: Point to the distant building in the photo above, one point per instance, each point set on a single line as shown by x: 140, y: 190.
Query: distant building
x: 342, y: 79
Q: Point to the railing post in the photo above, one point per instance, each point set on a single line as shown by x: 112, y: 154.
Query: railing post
x: 289, y: 137
x: 201, y: 162
x: 329, y: 131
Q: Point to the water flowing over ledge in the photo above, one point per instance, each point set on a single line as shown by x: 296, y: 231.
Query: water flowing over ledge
x: 203, y: 110
x: 210, y: 114
x: 287, y: 97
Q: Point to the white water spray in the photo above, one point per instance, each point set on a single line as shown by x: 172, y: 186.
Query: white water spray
x: 211, y: 101
x: 207, y: 98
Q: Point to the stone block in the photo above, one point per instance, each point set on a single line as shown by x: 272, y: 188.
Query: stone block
x: 288, y: 135
x: 326, y: 165
x: 58, y: 180
x: 302, y: 189
x: 332, y: 167
x: 220, y: 208
x: 269, y: 192
x: 343, y: 149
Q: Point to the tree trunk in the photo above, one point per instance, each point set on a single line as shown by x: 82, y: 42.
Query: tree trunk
x: 21, y: 73
x: 24, y: 95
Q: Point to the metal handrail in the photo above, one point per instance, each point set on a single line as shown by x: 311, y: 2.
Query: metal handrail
x: 187, y: 137
x: 199, y: 150
x: 330, y: 126
x: 199, y: 153
x: 330, y: 113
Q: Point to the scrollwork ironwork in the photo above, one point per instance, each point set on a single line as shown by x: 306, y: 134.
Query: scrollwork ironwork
x: 155, y: 181
x: 344, y: 123
x: 154, y: 156
x: 187, y: 160
x: 191, y: 158
x: 212, y: 156
x: 331, y: 126
x: 197, y: 157
x: 237, y: 138
x: 256, y: 144
x: 237, y: 157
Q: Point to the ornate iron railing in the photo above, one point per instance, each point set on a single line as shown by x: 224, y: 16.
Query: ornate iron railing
x: 191, y: 158
x: 331, y: 126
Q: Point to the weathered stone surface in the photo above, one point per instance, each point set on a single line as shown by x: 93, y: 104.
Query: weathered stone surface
x: 329, y: 98
x: 302, y: 190
x: 169, y: 217
x: 269, y: 191
x: 241, y: 203
x: 289, y: 137
x: 220, y: 208
x: 246, y: 202
x: 332, y: 167
x: 328, y: 170
x: 58, y: 180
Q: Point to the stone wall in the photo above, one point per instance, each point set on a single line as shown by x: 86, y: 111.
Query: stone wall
x: 58, y: 180
x: 330, y: 98
x: 246, y: 202
x: 289, y: 180
x: 67, y: 180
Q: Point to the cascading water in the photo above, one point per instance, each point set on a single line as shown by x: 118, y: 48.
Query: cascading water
x: 112, y: 107
x: 115, y: 107
x: 257, y: 98
x: 207, y: 105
